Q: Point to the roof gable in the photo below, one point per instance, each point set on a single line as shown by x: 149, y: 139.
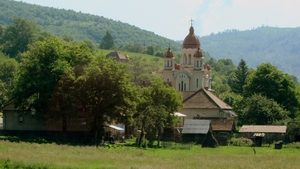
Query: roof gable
x: 203, y: 99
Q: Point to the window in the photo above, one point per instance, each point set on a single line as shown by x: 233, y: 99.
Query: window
x: 21, y: 119
x: 81, y: 121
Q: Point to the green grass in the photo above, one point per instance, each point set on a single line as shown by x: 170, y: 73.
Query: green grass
x: 33, y: 155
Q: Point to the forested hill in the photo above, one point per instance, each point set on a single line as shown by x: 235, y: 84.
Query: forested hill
x: 279, y: 46
x: 81, y: 26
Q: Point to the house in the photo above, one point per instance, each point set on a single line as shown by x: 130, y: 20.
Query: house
x: 17, y: 121
x: 24, y: 122
x: 269, y: 133
x: 118, y: 56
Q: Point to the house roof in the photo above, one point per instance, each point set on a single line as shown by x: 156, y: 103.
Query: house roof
x: 263, y: 129
x: 225, y: 124
x: 203, y: 99
x: 192, y: 126
x: 117, y: 55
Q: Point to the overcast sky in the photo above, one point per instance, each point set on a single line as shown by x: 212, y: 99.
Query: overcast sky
x: 171, y: 18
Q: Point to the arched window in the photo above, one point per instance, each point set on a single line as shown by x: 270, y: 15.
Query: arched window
x: 190, y: 59
x: 197, y: 83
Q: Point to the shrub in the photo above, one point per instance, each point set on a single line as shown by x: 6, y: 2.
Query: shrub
x: 241, y: 141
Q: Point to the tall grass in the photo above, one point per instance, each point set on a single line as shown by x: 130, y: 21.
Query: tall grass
x: 33, y: 155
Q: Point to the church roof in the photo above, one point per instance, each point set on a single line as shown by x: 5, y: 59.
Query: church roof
x: 198, y: 53
x: 169, y: 53
x: 191, y: 40
x: 203, y: 99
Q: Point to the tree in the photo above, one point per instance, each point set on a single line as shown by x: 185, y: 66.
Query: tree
x: 41, y: 69
x: 156, y: 108
x: 8, y: 68
x: 106, y: 93
x: 17, y: 36
x: 268, y: 81
x: 107, y: 41
x: 260, y: 110
x: 150, y: 50
x: 238, y: 79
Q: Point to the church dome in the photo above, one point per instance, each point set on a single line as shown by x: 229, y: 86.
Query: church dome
x: 191, y: 40
x: 198, y: 53
x: 169, y: 54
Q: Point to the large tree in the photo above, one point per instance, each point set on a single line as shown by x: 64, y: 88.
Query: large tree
x: 260, y: 110
x: 8, y: 68
x: 106, y: 93
x: 41, y: 68
x: 17, y: 36
x: 156, y: 108
x: 107, y: 41
x: 268, y: 81
x: 238, y: 78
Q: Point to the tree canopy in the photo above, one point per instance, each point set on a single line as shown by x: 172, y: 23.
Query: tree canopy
x: 268, y: 81
x: 260, y: 110
x: 41, y: 68
x: 107, y: 41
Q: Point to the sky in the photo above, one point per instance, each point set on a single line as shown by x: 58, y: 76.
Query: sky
x: 172, y: 18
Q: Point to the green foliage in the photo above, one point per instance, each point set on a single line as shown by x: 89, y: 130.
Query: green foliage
x: 17, y: 36
x: 260, y: 110
x: 268, y: 81
x: 256, y: 46
x: 42, y: 67
x: 83, y: 26
x: 107, y: 41
x: 106, y: 92
x: 156, y: 108
x: 238, y: 78
x: 241, y: 142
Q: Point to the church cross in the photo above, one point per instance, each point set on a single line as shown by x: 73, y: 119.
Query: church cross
x: 191, y: 22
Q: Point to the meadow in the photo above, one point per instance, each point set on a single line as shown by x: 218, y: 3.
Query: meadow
x: 53, y: 156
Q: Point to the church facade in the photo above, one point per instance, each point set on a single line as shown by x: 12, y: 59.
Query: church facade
x: 192, y: 78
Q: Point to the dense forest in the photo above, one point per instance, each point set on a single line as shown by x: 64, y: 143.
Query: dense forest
x: 278, y: 46
x: 81, y: 26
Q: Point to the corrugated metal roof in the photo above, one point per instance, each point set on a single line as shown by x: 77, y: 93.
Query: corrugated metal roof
x: 192, y: 126
x: 262, y: 129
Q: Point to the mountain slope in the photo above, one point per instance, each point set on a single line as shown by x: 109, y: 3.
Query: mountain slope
x: 279, y: 46
x: 81, y: 26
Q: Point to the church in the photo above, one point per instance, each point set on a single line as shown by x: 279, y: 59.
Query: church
x: 192, y: 78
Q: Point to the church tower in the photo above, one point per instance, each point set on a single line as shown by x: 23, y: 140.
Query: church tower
x: 191, y: 74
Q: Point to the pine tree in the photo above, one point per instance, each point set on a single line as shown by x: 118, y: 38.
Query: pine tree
x: 107, y: 42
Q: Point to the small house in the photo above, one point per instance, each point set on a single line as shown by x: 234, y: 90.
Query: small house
x: 118, y: 56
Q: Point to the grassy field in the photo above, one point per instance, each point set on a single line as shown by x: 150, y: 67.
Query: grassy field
x: 33, y: 155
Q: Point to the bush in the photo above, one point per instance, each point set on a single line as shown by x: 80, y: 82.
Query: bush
x: 241, y: 141
x: 293, y: 145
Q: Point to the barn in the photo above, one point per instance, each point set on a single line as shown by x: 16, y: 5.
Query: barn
x: 271, y: 133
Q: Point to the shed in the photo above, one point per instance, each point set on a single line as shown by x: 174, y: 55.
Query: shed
x: 222, y: 129
x: 272, y: 132
x: 195, y: 130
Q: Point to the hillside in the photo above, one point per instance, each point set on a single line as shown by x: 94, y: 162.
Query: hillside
x: 279, y: 46
x: 81, y: 26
